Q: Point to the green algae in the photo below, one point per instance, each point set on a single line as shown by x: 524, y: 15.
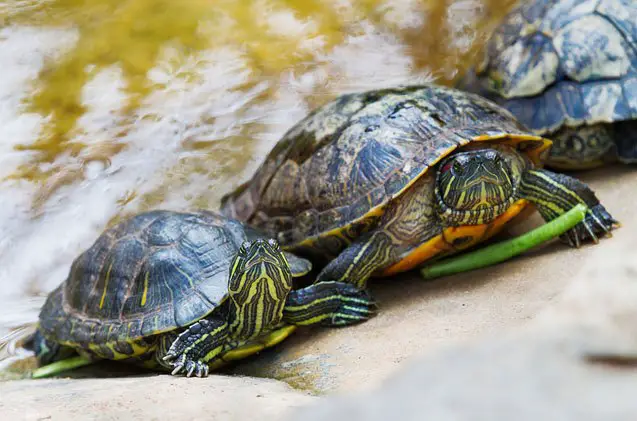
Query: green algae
x: 132, y: 33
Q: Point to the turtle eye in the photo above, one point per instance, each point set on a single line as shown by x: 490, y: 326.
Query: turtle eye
x: 243, y: 250
x: 273, y: 243
x: 457, y: 168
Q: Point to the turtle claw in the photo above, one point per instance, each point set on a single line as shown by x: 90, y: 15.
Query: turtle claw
x: 355, y: 306
x: 329, y: 303
x: 177, y: 369
x: 597, y: 223
x: 193, y: 349
x: 200, y: 370
x: 190, y: 366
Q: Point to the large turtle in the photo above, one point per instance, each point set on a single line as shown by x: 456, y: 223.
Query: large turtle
x: 567, y: 69
x: 381, y: 181
x: 185, y: 291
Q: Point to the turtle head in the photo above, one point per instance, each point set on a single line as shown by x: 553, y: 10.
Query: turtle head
x: 260, y: 281
x: 475, y: 186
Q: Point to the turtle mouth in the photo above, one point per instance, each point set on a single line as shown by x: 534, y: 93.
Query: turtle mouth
x: 260, y: 261
x: 486, y: 179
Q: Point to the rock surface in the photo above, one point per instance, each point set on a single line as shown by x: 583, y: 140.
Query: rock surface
x: 564, y: 319
x: 527, y: 377
x: 147, y: 398
x: 576, y: 361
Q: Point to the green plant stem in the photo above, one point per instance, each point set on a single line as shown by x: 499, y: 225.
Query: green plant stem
x: 500, y: 252
x: 60, y: 366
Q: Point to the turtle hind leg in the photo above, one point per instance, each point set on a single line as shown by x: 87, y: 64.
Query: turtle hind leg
x: 192, y: 350
x: 47, y: 351
x: 554, y: 194
x: 328, y: 303
x: 626, y: 141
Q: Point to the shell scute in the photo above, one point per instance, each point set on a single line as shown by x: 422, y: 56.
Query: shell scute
x: 570, y: 98
x: 546, y: 53
x: 373, y: 157
x: 623, y: 14
x: 148, y: 274
x: 590, y: 55
x: 629, y: 87
x: 601, y: 99
x: 563, y: 13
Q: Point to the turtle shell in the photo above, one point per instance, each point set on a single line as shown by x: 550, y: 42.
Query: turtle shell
x: 333, y: 174
x: 149, y: 274
x: 563, y: 63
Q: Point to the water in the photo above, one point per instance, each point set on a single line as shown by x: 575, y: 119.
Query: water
x: 111, y: 107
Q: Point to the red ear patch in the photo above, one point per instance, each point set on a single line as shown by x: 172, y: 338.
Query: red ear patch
x: 446, y: 167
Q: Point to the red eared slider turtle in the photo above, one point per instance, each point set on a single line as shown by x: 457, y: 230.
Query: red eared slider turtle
x: 567, y: 69
x: 381, y: 181
x: 185, y: 291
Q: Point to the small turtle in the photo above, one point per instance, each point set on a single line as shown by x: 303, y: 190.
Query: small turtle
x: 186, y: 292
x: 381, y: 181
x: 567, y: 69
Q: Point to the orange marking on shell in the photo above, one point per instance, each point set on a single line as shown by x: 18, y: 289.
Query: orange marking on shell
x: 537, y: 155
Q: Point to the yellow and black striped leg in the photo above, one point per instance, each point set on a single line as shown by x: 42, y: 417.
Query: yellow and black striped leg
x: 553, y: 194
x: 328, y: 303
x: 196, y: 347
x: 360, y: 260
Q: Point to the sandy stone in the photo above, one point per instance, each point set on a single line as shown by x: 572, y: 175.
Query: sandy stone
x: 148, y: 398
x: 523, y: 377
x: 576, y: 361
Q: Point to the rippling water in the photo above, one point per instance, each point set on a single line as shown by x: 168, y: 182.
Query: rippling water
x: 111, y: 107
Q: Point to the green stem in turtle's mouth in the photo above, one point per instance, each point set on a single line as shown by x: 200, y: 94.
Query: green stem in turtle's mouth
x: 505, y: 250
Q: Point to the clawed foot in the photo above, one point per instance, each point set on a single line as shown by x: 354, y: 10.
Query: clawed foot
x: 597, y: 223
x: 328, y: 303
x: 195, y: 348
x: 355, y: 306
x: 189, y: 367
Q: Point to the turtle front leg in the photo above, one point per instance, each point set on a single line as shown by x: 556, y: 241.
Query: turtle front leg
x: 356, y: 264
x: 339, y: 297
x: 195, y: 348
x: 554, y: 194
x: 328, y: 303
